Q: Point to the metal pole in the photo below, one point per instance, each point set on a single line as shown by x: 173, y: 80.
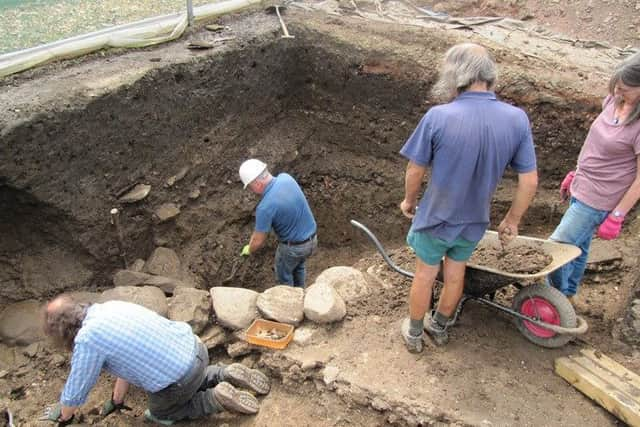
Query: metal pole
x: 115, y: 220
x: 190, y: 12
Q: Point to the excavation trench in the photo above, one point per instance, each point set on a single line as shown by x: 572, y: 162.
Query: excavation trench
x: 330, y: 110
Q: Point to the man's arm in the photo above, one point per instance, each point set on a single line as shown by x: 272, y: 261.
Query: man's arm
x: 527, y: 185
x: 257, y: 241
x: 412, y: 185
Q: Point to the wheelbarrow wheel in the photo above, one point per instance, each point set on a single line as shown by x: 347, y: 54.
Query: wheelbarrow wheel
x: 548, y: 305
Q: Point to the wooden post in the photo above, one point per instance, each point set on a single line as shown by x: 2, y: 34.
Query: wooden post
x: 190, y: 12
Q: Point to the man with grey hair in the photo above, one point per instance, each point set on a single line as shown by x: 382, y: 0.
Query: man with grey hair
x: 142, y: 348
x: 467, y: 142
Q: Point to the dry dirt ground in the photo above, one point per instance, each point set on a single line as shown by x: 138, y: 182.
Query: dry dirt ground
x: 332, y: 107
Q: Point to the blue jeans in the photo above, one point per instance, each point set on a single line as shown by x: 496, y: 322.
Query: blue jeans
x: 577, y: 226
x: 290, y: 260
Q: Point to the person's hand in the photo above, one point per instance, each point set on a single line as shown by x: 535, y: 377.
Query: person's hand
x: 245, y: 251
x: 110, y: 406
x: 408, y: 209
x: 610, y: 228
x: 507, y: 232
x: 565, y: 186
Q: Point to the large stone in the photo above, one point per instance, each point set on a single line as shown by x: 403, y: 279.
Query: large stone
x: 147, y: 296
x: 191, y: 306
x: 235, y: 308
x: 323, y: 304
x: 20, y: 323
x: 137, y: 193
x: 134, y: 278
x: 163, y: 262
x: 282, y: 304
x: 85, y: 297
x: 348, y: 281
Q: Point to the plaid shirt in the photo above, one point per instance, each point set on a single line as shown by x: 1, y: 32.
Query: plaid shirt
x: 132, y: 343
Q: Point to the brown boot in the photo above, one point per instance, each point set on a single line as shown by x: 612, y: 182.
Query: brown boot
x: 235, y: 400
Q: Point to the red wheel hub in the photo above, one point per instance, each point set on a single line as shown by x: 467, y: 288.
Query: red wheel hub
x: 543, y: 310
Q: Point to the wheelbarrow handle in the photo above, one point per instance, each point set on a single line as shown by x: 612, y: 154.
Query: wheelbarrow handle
x: 380, y: 249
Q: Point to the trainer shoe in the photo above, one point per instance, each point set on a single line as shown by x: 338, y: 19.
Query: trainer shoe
x: 232, y: 399
x: 413, y: 343
x: 438, y: 334
x: 149, y: 416
x: 242, y: 376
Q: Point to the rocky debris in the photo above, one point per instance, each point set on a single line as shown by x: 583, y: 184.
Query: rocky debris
x: 323, y: 304
x: 163, y: 262
x: 282, y: 304
x: 31, y: 350
x: 177, y: 177
x: 11, y: 357
x: 147, y: 296
x: 213, y: 336
x: 20, y: 323
x: 304, y: 335
x: 191, y: 306
x: 239, y: 348
x: 330, y: 374
x: 137, y: 266
x: 194, y: 194
x: 137, y: 193
x: 165, y: 212
x: 631, y: 328
x: 235, y: 308
x: 348, y: 281
x: 131, y: 278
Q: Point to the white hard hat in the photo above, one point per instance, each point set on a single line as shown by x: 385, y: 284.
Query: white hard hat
x: 250, y: 170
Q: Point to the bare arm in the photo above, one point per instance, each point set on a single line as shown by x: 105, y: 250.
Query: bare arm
x: 412, y: 185
x: 527, y: 185
x: 257, y: 241
x: 632, y: 195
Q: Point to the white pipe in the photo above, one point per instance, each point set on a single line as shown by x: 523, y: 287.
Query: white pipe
x: 136, y: 34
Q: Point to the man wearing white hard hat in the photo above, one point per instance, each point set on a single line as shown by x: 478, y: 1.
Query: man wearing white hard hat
x: 285, y: 210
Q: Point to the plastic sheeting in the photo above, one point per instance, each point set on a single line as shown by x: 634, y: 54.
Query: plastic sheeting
x: 137, y: 34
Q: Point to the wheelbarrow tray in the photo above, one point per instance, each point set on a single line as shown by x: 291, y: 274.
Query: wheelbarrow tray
x: 482, y: 280
x: 560, y: 253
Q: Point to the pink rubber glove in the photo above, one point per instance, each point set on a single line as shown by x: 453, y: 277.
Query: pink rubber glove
x: 610, y: 228
x: 565, y: 186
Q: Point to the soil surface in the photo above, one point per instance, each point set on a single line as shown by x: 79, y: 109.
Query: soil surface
x: 519, y: 259
x: 332, y: 107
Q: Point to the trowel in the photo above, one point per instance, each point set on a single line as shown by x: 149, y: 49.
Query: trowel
x: 277, y: 9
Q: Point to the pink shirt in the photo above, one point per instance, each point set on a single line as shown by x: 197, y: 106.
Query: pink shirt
x: 608, y: 161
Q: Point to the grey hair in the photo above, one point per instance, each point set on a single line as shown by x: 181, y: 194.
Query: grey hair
x: 62, y: 319
x: 628, y: 71
x: 463, y: 65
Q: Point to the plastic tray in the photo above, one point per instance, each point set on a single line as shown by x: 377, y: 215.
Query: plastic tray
x: 561, y: 254
x: 262, y: 324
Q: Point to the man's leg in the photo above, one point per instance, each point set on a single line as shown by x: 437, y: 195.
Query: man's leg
x: 284, y: 264
x: 419, y: 302
x: 299, y: 273
x: 453, y: 286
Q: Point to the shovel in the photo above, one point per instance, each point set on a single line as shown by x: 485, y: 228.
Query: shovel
x: 277, y: 10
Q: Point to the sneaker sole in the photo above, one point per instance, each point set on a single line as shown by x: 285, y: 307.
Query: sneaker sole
x: 243, y: 376
x: 232, y: 399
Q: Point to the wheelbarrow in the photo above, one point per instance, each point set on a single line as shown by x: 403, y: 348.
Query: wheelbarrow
x: 541, y: 313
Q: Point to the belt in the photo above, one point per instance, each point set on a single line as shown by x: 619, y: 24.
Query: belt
x: 292, y: 243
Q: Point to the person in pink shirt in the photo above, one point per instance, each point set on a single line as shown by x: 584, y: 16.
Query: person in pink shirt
x: 606, y: 182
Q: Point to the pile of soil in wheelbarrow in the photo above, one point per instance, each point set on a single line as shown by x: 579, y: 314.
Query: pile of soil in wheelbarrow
x: 519, y: 259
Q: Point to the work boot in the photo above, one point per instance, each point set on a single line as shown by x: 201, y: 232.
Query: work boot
x: 438, y: 333
x: 413, y: 343
x: 150, y: 417
x: 242, y: 376
x: 235, y: 400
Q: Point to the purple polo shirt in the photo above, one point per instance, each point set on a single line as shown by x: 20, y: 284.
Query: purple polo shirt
x: 608, y: 161
x: 468, y: 143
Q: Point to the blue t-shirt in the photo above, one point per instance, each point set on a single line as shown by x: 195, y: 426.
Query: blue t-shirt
x: 285, y: 209
x: 468, y: 143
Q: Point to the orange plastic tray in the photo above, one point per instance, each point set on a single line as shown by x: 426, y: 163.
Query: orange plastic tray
x: 262, y: 324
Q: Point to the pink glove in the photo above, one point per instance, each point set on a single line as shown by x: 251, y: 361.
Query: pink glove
x: 610, y: 228
x: 565, y: 186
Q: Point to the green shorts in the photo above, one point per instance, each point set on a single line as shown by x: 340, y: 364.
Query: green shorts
x: 431, y: 250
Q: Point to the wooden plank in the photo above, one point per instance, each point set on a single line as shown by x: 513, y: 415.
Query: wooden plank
x: 615, y: 401
x: 613, y: 366
x: 612, y: 378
